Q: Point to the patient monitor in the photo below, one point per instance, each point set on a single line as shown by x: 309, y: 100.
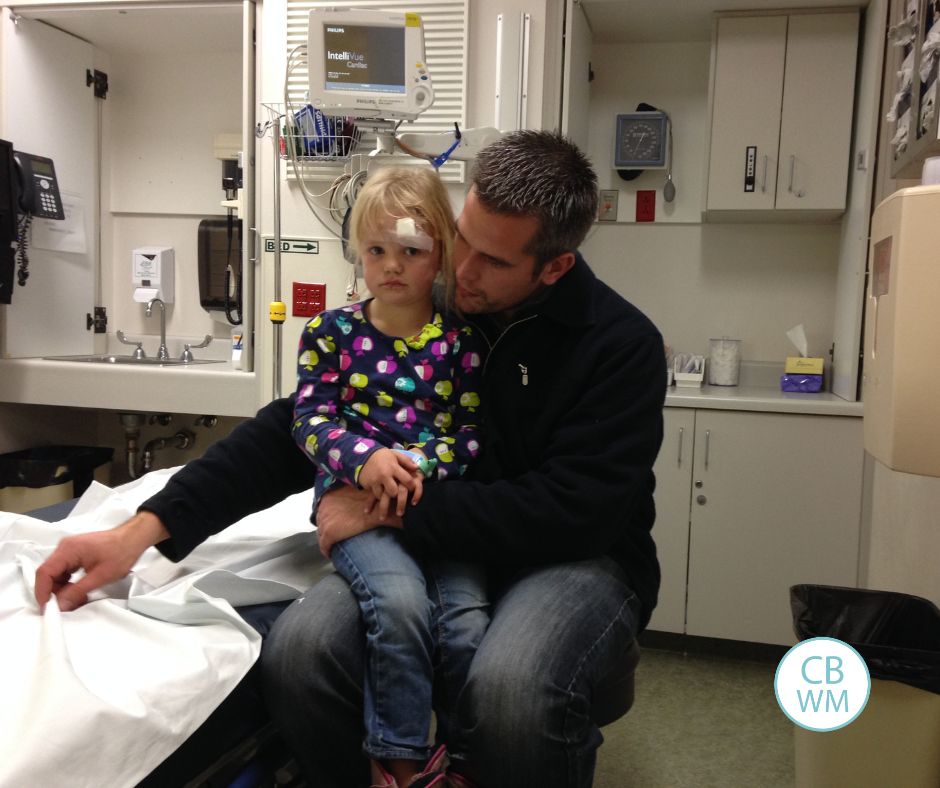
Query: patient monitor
x: 368, y: 64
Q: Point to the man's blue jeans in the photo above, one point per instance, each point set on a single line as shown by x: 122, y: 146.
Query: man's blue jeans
x: 523, y: 717
x: 399, y: 605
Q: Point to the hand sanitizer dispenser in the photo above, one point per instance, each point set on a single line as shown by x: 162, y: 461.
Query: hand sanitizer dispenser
x: 152, y: 274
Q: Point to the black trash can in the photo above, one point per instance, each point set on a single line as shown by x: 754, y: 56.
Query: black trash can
x: 895, y: 741
x: 32, y: 478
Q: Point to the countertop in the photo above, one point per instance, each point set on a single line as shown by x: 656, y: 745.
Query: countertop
x: 761, y: 398
x: 759, y: 390
x: 216, y: 389
x: 221, y: 390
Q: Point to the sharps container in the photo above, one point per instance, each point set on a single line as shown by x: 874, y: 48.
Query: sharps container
x: 724, y: 361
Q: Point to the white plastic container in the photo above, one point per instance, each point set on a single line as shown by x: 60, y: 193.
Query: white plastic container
x: 724, y: 362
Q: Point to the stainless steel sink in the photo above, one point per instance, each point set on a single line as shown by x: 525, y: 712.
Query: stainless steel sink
x: 111, y: 359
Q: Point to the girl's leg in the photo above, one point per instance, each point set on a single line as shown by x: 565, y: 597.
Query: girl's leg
x: 393, y: 599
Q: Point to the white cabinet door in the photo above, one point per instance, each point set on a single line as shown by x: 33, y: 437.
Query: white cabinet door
x: 673, y: 471
x: 746, y: 100
x: 816, y: 122
x: 48, y: 109
x: 576, y: 85
x: 782, y: 98
x: 779, y: 504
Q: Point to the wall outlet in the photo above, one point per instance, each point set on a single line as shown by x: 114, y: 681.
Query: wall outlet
x: 309, y: 299
x: 607, y: 208
x: 646, y: 205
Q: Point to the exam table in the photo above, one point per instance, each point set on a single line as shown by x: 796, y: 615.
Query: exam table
x: 237, y: 744
x: 153, y: 681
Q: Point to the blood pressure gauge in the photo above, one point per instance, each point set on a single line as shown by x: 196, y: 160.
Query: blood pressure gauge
x: 640, y: 141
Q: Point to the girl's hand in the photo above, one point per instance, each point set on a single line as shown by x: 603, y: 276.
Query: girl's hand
x: 389, y: 475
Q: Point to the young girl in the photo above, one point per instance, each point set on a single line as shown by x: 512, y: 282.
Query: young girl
x: 388, y: 396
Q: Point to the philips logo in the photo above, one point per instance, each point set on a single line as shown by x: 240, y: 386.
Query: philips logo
x: 334, y: 29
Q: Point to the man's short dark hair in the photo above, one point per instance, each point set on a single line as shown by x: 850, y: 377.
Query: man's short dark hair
x: 541, y: 174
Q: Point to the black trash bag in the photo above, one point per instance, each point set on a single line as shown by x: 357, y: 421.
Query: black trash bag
x: 45, y: 466
x: 898, y: 635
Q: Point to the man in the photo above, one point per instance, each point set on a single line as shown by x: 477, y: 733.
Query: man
x: 559, y: 507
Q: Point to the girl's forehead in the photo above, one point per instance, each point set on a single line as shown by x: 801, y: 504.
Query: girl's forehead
x: 404, y: 230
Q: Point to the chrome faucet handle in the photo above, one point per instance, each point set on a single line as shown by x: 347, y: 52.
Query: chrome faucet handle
x: 138, y: 351
x: 187, y: 348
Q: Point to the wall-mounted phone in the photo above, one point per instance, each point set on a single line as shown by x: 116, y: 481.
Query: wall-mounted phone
x: 38, y: 188
x: 28, y: 188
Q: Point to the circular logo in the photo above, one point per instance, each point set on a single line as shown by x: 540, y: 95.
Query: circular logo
x: 822, y: 684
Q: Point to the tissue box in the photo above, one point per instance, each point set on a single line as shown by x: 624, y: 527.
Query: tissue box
x: 690, y: 379
x: 807, y: 384
x: 800, y: 365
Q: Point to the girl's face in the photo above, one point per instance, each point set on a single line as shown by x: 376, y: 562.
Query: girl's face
x: 399, y: 262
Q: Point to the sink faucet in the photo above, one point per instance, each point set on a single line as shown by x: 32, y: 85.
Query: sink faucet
x: 162, y: 354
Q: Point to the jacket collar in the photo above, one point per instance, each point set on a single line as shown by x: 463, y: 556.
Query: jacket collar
x: 570, y: 300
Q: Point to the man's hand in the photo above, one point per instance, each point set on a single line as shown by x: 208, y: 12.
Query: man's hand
x: 391, y: 476
x: 106, y: 556
x: 345, y: 512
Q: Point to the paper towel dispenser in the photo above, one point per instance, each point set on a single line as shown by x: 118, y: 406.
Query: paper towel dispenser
x: 902, y: 323
x: 220, y: 268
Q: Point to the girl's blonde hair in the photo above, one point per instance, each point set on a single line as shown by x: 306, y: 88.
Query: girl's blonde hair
x: 403, y: 192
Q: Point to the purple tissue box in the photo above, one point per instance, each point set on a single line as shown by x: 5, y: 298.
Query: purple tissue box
x: 807, y: 384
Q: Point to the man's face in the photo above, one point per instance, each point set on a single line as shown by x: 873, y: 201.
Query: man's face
x: 495, y: 273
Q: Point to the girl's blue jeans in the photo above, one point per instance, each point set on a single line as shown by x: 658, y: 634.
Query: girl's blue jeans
x: 421, y: 623
x: 523, y: 716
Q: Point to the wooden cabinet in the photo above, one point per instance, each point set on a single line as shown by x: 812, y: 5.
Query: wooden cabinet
x: 782, y: 97
x: 756, y: 502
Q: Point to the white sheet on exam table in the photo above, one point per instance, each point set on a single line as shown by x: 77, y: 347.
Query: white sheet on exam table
x: 101, y: 695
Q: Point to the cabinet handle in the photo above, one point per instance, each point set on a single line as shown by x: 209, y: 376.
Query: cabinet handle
x: 679, y: 458
x: 256, y: 246
x: 798, y: 192
x: 763, y: 182
x: 708, y: 434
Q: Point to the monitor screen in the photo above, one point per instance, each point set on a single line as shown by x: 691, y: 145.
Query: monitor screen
x: 364, y: 57
x: 367, y: 64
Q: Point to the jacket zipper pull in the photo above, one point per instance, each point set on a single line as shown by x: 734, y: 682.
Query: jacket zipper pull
x: 525, y: 374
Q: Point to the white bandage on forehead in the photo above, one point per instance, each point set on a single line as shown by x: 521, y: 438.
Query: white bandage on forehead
x: 408, y: 233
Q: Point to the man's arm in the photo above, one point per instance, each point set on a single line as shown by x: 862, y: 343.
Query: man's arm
x: 256, y: 466
x: 106, y: 557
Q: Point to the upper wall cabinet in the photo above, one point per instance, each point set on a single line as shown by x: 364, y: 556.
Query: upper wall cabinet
x: 782, y: 96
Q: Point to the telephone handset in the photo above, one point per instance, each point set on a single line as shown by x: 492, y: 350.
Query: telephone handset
x: 38, y: 188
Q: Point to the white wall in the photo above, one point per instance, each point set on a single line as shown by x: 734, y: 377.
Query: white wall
x: 747, y: 281
x: 162, y: 177
x: 695, y: 280
x: 672, y: 77
x: 903, y: 533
